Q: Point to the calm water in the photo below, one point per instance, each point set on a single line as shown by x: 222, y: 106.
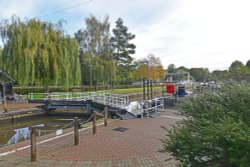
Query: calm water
x: 19, y: 131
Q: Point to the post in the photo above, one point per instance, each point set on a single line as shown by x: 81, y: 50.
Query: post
x: 33, y: 144
x: 4, y: 98
x: 76, y: 131
x: 148, y: 77
x: 105, y: 116
x: 163, y: 94
x: 94, y: 122
x: 151, y: 89
x: 147, y: 89
x: 144, y: 96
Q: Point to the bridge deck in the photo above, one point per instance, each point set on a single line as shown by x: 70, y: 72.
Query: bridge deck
x: 116, y: 103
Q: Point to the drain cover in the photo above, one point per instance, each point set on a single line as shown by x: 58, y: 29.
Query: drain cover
x: 121, y: 129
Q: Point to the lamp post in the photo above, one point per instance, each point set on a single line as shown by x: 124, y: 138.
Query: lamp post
x: 4, y: 97
x: 90, y: 77
x: 146, y: 82
x: 147, y: 79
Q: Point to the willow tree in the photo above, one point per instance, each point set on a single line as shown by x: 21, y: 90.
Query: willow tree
x: 95, y: 53
x: 1, y: 63
x: 38, y: 53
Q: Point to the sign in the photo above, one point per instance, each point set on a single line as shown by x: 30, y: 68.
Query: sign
x: 59, y: 132
x: 170, y: 88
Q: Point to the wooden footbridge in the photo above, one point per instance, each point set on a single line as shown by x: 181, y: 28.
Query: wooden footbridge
x: 116, y: 103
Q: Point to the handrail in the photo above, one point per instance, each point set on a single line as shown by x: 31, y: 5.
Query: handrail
x: 115, y: 100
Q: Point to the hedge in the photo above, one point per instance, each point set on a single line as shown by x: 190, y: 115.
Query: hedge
x: 26, y: 90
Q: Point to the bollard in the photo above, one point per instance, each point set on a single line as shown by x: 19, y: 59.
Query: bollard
x: 94, y: 122
x: 105, y: 116
x: 33, y: 144
x: 76, y: 131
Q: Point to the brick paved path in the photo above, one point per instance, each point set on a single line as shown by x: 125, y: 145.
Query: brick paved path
x: 12, y: 106
x: 137, y: 146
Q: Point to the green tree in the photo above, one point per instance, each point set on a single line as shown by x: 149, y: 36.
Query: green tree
x: 171, y: 68
x: 150, y: 67
x: 236, y: 64
x: 215, y: 131
x: 220, y: 76
x: 122, y: 50
x: 200, y: 74
x: 181, y: 70
x: 95, y: 53
x: 39, y: 53
x: 248, y: 64
x: 156, y: 70
x: 1, y: 62
x: 238, y: 72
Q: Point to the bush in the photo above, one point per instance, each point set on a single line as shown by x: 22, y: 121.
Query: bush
x: 216, y: 131
x: 26, y: 90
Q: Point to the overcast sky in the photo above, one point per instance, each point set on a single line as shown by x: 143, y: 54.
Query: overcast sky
x: 190, y: 33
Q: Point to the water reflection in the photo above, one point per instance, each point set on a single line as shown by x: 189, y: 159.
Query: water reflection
x: 19, y: 135
x: 19, y: 131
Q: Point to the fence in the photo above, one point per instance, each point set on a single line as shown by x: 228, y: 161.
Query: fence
x: 114, y: 100
x: 76, y: 122
x: 152, y: 106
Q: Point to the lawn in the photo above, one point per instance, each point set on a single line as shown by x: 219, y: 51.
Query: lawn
x: 132, y: 90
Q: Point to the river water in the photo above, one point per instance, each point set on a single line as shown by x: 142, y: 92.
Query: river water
x: 11, y: 133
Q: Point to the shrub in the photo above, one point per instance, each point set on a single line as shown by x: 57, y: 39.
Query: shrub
x: 216, y: 131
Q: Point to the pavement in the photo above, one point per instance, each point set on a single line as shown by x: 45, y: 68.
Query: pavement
x: 15, y: 106
x: 137, y: 144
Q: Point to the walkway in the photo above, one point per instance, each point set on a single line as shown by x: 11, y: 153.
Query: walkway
x: 13, y: 106
x: 137, y: 146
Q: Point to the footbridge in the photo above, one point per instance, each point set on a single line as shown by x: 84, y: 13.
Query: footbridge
x: 116, y: 103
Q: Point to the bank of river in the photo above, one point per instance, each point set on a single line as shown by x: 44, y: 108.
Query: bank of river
x: 14, y: 132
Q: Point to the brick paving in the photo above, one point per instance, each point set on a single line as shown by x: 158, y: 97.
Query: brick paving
x: 14, y: 106
x: 137, y: 146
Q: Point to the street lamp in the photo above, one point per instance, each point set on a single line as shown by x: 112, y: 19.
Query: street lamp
x: 90, y: 76
x: 147, y: 69
x: 147, y: 82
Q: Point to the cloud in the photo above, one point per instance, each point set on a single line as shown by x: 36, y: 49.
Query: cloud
x: 207, y: 33
x: 19, y: 8
x: 191, y: 33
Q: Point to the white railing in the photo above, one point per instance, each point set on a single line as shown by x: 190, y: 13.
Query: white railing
x: 114, y: 100
x: 145, y: 107
x: 153, y: 107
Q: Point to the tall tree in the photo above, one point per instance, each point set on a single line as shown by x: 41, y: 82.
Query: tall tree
x: 1, y: 62
x: 95, y: 52
x: 38, y: 53
x: 150, y: 67
x: 238, y: 72
x: 236, y: 64
x: 248, y: 64
x: 181, y: 70
x: 171, y: 68
x: 122, y: 49
x: 200, y: 74
x: 156, y: 70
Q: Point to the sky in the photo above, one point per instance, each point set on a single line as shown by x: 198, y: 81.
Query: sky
x: 191, y: 33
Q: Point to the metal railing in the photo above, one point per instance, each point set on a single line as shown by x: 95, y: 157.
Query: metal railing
x: 114, y: 100
x: 153, y: 106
